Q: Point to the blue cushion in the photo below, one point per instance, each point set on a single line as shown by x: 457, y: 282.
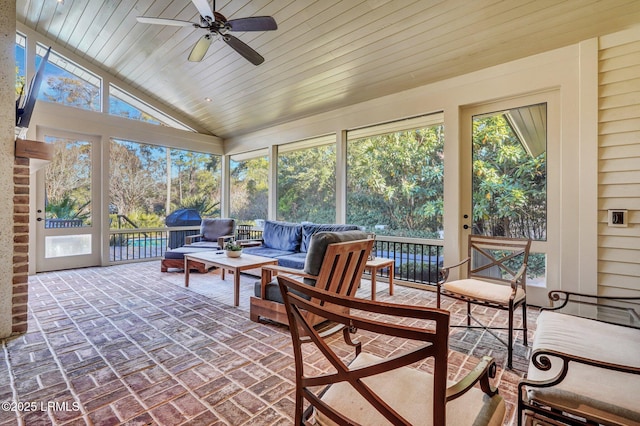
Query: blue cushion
x: 282, y: 235
x: 308, y: 229
x: 178, y: 253
x: 295, y: 260
x: 266, y: 251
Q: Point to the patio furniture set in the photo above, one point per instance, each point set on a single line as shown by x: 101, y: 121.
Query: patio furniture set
x: 582, y: 371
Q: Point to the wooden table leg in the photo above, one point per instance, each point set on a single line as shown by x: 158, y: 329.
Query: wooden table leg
x: 374, y: 271
x: 236, y: 287
x: 186, y: 272
x: 391, y: 272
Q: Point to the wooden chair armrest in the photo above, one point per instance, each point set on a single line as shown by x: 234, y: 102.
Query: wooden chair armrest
x: 268, y: 271
x: 284, y: 270
x: 445, y: 269
x: 223, y: 240
x: 189, y: 239
x: 483, y: 371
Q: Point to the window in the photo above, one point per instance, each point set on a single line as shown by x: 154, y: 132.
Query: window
x: 21, y: 71
x: 510, y: 173
x: 148, y: 182
x: 306, y: 183
x: 67, y: 83
x: 395, y: 178
x: 128, y: 106
x: 249, y: 186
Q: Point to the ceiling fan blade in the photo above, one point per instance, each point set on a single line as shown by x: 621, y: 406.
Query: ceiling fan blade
x: 253, y: 23
x: 203, y: 8
x: 163, y: 21
x: 200, y: 48
x: 243, y: 49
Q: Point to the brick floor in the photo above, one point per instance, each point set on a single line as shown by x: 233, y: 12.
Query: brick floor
x: 130, y: 345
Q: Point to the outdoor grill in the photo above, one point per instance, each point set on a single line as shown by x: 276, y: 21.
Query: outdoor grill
x: 182, y: 217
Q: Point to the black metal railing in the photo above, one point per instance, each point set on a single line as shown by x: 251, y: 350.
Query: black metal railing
x: 417, y: 260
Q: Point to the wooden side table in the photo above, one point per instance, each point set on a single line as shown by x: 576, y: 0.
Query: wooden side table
x: 374, y: 266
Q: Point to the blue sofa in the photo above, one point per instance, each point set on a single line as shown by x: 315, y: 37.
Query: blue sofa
x: 289, y: 242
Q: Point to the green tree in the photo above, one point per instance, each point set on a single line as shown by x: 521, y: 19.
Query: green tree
x: 509, y: 185
x: 250, y: 188
x: 307, y: 185
x: 396, y: 180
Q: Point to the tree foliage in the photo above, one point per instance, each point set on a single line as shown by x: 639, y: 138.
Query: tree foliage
x: 68, y: 180
x: 396, y: 181
x: 307, y: 185
x: 250, y: 188
x: 509, y: 185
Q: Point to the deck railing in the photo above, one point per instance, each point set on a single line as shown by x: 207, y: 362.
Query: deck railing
x: 417, y: 260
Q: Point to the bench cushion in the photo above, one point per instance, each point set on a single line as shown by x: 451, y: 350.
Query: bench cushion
x: 283, y: 236
x: 409, y: 391
x: 178, y: 253
x: 594, y: 391
x: 484, y: 290
x: 266, y: 251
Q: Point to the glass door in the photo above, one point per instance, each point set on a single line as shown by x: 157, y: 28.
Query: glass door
x: 67, y: 204
x: 508, y: 184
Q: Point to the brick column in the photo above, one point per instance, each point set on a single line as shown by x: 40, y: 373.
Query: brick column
x: 20, y: 245
x: 7, y: 151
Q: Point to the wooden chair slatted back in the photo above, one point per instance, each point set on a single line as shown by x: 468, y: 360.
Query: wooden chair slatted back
x: 343, y: 266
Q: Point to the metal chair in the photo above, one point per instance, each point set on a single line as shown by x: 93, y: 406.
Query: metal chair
x: 496, y: 276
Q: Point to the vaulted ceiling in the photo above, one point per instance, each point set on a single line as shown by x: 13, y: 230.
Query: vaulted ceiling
x: 325, y: 54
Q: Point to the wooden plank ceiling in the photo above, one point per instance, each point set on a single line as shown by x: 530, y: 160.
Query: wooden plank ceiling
x: 325, y: 54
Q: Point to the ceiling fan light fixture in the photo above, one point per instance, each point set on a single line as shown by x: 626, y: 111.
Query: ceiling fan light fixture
x: 215, y: 23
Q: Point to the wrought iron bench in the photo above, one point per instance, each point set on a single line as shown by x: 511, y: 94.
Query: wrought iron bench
x: 584, y: 370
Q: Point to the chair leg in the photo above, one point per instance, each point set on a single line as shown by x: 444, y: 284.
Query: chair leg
x: 468, y: 314
x: 524, y: 324
x: 510, y: 341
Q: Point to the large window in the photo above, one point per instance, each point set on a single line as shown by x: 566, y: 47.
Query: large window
x: 67, y: 83
x: 148, y: 182
x: 249, y: 186
x: 306, y: 187
x: 510, y: 173
x: 395, y: 177
x: 125, y: 105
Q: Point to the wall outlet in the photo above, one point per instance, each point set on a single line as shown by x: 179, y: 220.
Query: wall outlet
x: 618, y: 218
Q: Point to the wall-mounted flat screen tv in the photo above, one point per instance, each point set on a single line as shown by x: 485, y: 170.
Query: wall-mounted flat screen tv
x: 24, y: 111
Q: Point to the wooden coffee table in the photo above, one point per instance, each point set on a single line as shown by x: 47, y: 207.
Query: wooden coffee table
x: 232, y: 264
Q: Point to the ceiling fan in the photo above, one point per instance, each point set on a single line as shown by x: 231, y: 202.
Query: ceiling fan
x: 218, y: 26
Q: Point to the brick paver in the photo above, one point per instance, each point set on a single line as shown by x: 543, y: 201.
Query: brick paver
x: 130, y: 345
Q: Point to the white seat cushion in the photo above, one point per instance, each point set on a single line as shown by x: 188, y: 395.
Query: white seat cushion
x: 483, y: 290
x: 597, y: 392
x: 409, y: 392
